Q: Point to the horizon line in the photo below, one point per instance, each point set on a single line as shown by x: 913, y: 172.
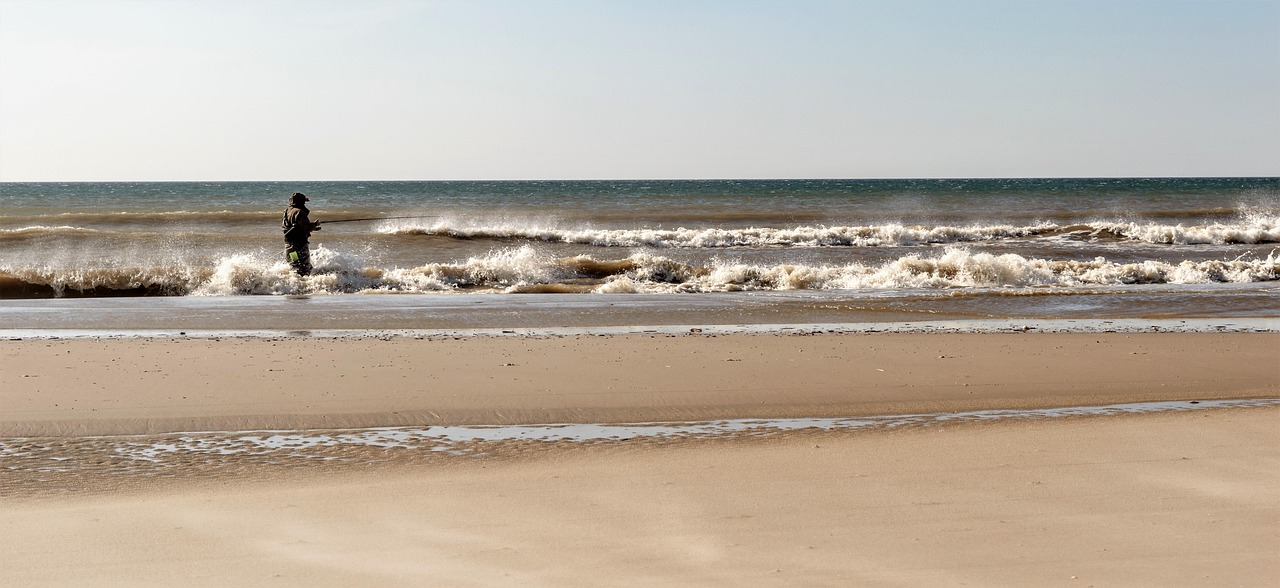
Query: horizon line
x: 668, y: 179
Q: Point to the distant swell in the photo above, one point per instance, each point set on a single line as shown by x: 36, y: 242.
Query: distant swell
x: 1248, y: 231
x: 133, y: 218
x: 524, y: 269
x: 40, y: 231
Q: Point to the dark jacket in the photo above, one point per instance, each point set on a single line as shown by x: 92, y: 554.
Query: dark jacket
x: 297, y: 225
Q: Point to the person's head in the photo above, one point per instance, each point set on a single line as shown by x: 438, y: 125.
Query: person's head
x: 297, y: 199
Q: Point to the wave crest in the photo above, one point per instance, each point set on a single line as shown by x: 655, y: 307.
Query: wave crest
x: 1252, y: 230
x: 525, y: 269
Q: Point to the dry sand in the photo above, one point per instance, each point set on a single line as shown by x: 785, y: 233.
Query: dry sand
x: 1187, y: 499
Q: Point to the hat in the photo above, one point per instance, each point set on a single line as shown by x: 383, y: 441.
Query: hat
x: 297, y: 198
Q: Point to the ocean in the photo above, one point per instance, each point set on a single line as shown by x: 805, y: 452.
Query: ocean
x: 124, y: 257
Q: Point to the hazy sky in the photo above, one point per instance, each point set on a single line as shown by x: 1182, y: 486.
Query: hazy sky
x: 274, y: 89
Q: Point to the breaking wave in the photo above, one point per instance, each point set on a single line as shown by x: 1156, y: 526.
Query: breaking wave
x: 1252, y: 230
x: 525, y: 269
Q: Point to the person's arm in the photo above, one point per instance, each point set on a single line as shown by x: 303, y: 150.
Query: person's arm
x: 303, y: 219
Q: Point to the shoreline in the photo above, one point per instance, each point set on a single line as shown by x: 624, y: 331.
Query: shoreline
x: 970, y: 326
x: 1193, y: 306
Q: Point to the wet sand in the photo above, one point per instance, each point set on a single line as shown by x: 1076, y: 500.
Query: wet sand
x: 1158, y: 500
x: 1175, y: 499
x: 122, y: 386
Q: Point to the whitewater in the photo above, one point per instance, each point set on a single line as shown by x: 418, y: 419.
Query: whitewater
x: 857, y: 249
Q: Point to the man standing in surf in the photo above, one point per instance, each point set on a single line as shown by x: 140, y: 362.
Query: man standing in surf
x: 297, y: 227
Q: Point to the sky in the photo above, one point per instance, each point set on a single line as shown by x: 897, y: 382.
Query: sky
x: 157, y: 90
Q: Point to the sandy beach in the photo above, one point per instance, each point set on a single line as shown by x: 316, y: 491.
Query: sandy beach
x: 130, y: 386
x: 639, y: 294
x: 1170, y: 499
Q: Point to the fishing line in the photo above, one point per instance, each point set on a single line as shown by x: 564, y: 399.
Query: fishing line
x: 374, y: 218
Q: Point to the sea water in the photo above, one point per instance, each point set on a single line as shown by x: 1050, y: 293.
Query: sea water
x: 196, y: 453
x: 537, y: 254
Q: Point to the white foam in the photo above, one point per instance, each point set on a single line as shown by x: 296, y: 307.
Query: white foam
x: 805, y: 236
x: 500, y: 268
x: 267, y: 273
x: 1254, y: 228
x: 1250, y: 229
x: 510, y: 269
x: 955, y: 268
x: 36, y: 229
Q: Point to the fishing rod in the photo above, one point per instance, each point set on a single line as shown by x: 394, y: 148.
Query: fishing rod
x: 374, y: 218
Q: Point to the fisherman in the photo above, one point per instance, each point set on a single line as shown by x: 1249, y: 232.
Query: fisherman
x: 297, y: 227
